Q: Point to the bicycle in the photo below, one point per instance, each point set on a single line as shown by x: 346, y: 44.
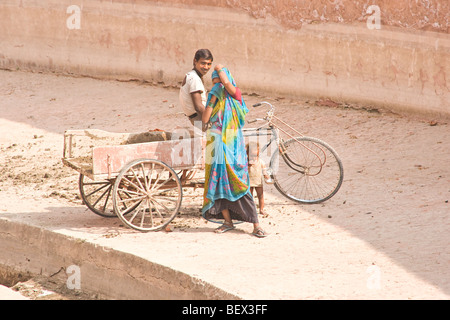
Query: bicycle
x: 303, y: 169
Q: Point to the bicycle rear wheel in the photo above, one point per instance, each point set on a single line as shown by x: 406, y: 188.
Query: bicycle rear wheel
x: 307, y: 171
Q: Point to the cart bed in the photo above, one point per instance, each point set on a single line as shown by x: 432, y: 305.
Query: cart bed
x: 101, y: 155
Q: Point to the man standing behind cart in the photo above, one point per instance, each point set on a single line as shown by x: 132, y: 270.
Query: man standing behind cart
x: 192, y: 91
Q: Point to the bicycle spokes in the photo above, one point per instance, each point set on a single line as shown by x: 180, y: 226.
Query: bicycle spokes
x: 301, y: 175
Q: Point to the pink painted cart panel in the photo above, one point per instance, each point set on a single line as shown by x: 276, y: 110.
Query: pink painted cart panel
x: 178, y: 154
x: 101, y: 155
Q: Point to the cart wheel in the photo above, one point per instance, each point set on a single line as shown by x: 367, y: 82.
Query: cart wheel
x: 147, y: 195
x: 97, y: 195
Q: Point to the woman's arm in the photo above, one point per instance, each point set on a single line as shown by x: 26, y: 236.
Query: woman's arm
x: 208, y: 110
x: 224, y: 79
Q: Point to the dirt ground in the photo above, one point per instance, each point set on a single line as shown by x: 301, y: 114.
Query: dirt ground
x: 384, y: 235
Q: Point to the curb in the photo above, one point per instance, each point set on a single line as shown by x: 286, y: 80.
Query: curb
x: 95, y: 269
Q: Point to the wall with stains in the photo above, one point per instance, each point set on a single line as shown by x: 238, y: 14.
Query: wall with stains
x: 319, y: 49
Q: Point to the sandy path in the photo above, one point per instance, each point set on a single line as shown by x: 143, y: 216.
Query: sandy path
x: 385, y: 235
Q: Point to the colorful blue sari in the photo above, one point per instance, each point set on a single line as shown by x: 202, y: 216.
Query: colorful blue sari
x: 226, y: 164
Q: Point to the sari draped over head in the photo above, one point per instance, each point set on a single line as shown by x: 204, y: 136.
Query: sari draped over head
x: 226, y: 164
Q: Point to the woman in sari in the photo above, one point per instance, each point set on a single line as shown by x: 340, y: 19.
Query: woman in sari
x: 226, y: 194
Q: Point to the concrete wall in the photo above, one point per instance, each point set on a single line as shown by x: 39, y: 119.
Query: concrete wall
x: 396, y: 67
x: 109, y: 273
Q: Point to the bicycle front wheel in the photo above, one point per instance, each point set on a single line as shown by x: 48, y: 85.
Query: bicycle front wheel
x: 307, y: 170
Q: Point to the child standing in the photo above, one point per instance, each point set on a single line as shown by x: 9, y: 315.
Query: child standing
x: 256, y: 172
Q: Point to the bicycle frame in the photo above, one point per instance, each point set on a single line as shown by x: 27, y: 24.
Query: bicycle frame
x: 274, y: 128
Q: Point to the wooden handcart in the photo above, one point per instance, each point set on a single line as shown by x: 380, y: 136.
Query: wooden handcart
x: 138, y: 177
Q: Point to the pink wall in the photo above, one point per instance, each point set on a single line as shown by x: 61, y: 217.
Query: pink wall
x: 319, y: 49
